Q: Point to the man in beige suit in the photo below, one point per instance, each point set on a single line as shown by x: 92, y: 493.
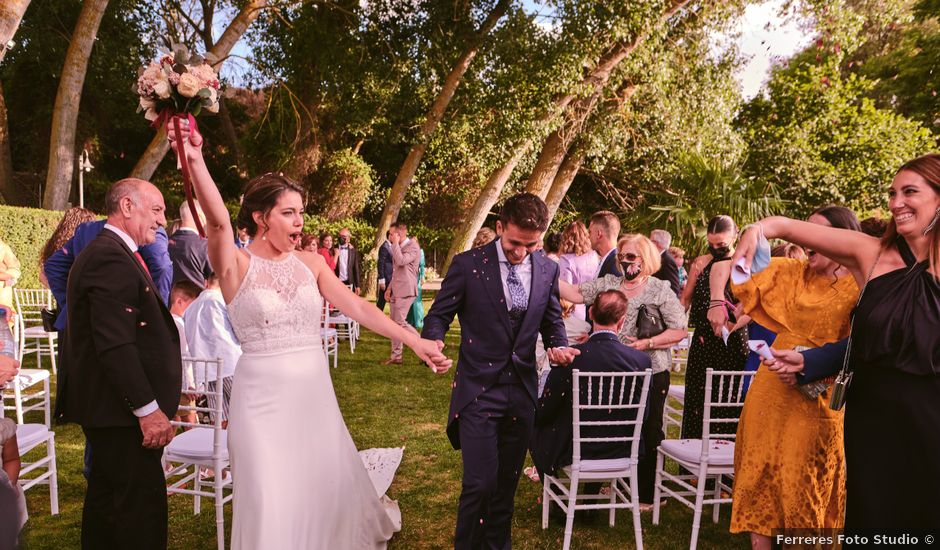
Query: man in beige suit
x: 403, y: 288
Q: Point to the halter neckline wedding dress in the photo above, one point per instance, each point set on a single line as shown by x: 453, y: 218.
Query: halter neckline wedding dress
x: 299, y: 482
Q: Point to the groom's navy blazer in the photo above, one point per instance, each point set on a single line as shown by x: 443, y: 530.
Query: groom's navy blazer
x: 473, y: 290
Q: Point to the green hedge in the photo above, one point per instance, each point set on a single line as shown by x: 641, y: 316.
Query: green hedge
x: 26, y: 231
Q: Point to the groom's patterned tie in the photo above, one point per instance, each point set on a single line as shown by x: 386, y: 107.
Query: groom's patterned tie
x: 519, y: 302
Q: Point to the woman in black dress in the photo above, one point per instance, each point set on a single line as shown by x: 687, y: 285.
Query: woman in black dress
x: 708, y: 351
x: 892, y: 413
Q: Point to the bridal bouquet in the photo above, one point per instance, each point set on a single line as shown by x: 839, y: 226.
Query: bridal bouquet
x: 175, y: 87
x: 177, y: 84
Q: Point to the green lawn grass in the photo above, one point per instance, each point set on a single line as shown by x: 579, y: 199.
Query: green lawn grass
x: 383, y: 406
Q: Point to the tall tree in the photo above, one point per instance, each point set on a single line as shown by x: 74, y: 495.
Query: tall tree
x: 7, y: 189
x: 68, y: 98
x: 435, y: 114
x: 594, y: 82
x: 577, y: 152
x: 556, y: 145
x: 219, y: 52
x: 11, y: 13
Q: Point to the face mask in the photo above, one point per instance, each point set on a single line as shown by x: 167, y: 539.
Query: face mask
x: 719, y: 252
x: 631, y: 270
x: 343, y: 239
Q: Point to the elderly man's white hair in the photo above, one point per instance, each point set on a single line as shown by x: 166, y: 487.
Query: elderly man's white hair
x: 127, y: 187
x: 662, y: 238
x: 186, y: 215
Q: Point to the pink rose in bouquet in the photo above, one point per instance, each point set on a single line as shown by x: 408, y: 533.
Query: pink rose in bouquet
x: 181, y: 83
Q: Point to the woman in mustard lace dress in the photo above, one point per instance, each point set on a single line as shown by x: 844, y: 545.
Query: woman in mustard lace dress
x: 789, y: 460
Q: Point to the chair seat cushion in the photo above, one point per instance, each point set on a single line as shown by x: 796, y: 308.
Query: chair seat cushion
x: 720, y: 451
x: 196, y: 445
x: 37, y: 332
x: 677, y: 391
x: 27, y: 377
x: 29, y: 435
x: 606, y: 465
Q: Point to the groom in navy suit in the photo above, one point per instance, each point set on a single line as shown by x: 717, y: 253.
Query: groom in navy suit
x: 505, y: 294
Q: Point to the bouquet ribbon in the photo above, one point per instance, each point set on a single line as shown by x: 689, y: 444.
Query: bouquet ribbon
x: 167, y: 115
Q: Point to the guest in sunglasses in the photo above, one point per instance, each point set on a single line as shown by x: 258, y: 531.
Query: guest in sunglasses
x: 639, y: 259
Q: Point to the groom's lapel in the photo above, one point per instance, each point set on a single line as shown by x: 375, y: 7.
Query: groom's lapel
x: 487, y: 262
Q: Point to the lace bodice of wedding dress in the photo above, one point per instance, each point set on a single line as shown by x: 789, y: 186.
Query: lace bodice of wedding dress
x: 278, y: 307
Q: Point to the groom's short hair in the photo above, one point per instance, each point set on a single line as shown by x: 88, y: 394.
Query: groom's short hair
x: 609, y: 307
x: 525, y: 211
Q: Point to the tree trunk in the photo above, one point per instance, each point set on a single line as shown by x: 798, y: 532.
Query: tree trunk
x: 159, y: 146
x: 434, y: 116
x: 67, y: 100
x: 566, y: 173
x: 556, y: 145
x: 8, y: 192
x: 485, y: 201
x: 569, y: 168
x: 11, y: 13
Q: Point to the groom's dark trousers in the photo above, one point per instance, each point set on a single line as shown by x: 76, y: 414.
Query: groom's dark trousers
x: 492, y: 407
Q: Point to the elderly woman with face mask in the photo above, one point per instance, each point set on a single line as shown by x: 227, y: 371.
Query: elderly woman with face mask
x: 651, y: 298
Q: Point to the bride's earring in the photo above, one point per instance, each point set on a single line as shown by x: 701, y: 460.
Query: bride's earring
x: 933, y: 222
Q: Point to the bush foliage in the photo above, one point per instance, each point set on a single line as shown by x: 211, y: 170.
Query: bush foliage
x: 26, y: 231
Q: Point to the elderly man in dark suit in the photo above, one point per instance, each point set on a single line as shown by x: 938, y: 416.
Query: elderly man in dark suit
x: 603, y: 352
x: 505, y: 294
x: 123, y: 359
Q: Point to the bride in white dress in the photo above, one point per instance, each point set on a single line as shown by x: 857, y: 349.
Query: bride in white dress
x: 299, y: 482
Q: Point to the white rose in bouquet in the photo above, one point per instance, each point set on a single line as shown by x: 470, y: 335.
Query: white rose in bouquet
x: 213, y: 101
x: 189, y: 85
x: 162, y: 87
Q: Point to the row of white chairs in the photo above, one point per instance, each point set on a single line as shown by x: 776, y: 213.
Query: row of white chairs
x: 36, y: 441
x: 709, y: 458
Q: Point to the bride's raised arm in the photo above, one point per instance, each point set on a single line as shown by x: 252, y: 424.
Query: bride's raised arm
x: 227, y: 262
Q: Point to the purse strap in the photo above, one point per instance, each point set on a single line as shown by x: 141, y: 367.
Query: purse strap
x: 848, y: 347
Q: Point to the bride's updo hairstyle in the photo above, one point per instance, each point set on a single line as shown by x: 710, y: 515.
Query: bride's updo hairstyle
x: 261, y: 195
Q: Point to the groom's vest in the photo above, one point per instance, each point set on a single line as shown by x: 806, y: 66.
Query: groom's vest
x: 509, y: 375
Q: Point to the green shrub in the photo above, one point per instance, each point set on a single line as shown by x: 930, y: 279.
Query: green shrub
x: 26, y: 231
x: 342, y: 185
